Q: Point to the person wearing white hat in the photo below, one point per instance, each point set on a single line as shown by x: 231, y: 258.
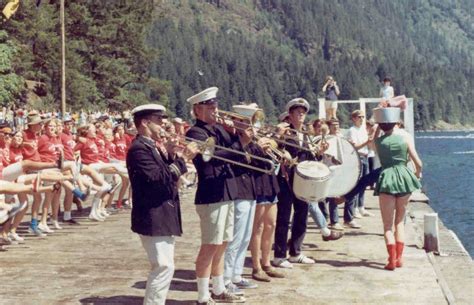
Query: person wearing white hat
x: 396, y: 182
x: 216, y: 191
x: 297, y: 109
x: 244, y: 209
x: 156, y: 214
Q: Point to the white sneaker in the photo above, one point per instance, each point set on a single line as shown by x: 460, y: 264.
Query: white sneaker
x: 336, y: 226
x: 15, y: 236
x: 56, y: 225
x: 353, y: 224
x: 365, y: 213
x: 45, y: 228
x: 102, y: 213
x: 301, y: 259
x: 95, y: 217
x: 357, y: 214
x: 282, y: 263
x: 7, y: 241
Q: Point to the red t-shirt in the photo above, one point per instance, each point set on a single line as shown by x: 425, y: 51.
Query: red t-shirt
x: 30, y: 146
x: 12, y: 155
x: 68, y: 144
x: 111, y: 150
x: 89, y: 151
x: 48, y: 148
x: 128, y: 139
x: 100, y: 142
x: 1, y: 163
x: 120, y: 148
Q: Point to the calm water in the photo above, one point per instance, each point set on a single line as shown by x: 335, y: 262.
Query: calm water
x: 448, y: 170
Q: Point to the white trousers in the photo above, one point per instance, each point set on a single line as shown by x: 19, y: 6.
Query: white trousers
x: 160, y: 251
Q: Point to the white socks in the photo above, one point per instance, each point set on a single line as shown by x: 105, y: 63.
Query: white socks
x: 67, y: 215
x: 218, y: 286
x: 325, y: 231
x: 203, y: 289
x: 236, y: 279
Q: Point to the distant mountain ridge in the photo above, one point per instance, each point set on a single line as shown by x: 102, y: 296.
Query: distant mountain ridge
x: 269, y: 51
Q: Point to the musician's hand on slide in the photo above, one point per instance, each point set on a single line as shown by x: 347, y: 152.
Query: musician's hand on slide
x: 282, y: 128
x: 323, y: 147
x: 190, y: 151
x: 264, y: 144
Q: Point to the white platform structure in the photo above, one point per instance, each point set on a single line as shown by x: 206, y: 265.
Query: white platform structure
x: 408, y: 115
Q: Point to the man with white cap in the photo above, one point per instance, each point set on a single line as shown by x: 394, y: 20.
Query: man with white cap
x: 297, y: 110
x: 216, y: 191
x: 156, y: 214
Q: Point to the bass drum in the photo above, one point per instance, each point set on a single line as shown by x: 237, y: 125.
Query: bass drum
x: 343, y: 160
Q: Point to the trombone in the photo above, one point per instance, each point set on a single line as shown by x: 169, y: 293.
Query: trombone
x: 208, y: 147
x: 257, y: 121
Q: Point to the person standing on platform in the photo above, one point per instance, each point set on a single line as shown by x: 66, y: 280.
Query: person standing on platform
x: 156, y: 214
x: 396, y: 182
x: 386, y: 92
x: 331, y: 92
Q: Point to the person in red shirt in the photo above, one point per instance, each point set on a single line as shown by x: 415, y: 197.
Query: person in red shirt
x: 120, y: 165
x: 50, y: 150
x: 68, y: 143
x: 120, y: 141
x: 89, y: 152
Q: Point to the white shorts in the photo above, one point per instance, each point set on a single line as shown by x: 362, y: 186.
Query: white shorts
x: 12, y: 171
x: 330, y: 104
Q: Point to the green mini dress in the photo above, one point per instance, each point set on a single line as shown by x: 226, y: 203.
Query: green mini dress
x: 396, y: 177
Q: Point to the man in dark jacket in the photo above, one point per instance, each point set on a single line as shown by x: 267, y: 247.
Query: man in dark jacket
x: 216, y: 191
x: 156, y: 214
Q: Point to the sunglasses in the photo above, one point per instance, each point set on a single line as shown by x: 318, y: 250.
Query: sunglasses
x: 209, y: 102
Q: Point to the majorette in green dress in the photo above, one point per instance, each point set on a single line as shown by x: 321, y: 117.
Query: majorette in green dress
x: 396, y: 177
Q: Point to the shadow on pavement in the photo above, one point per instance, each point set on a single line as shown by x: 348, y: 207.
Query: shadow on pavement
x: 115, y: 300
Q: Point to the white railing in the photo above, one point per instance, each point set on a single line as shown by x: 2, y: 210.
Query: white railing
x: 408, y: 116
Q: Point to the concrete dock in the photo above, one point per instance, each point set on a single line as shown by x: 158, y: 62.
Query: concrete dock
x: 104, y: 263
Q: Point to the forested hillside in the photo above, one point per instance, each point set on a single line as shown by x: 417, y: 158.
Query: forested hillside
x: 267, y: 51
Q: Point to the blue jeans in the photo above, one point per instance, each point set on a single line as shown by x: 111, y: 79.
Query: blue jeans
x: 364, y: 171
x: 333, y: 215
x: 317, y: 215
x: 244, y: 212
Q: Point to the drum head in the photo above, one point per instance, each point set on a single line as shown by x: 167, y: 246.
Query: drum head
x: 343, y: 160
x: 313, y: 170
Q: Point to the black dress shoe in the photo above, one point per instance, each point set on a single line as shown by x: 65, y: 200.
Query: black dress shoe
x: 71, y: 222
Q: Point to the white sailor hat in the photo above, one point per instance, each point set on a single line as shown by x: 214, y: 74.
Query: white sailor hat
x: 297, y: 102
x: 149, y: 109
x: 177, y: 120
x: 206, y: 96
x: 283, y: 116
x: 246, y: 110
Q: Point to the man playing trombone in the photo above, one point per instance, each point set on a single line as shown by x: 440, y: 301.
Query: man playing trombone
x: 216, y: 190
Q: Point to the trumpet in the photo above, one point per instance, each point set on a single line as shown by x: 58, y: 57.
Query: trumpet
x: 272, y: 131
x: 208, y: 148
